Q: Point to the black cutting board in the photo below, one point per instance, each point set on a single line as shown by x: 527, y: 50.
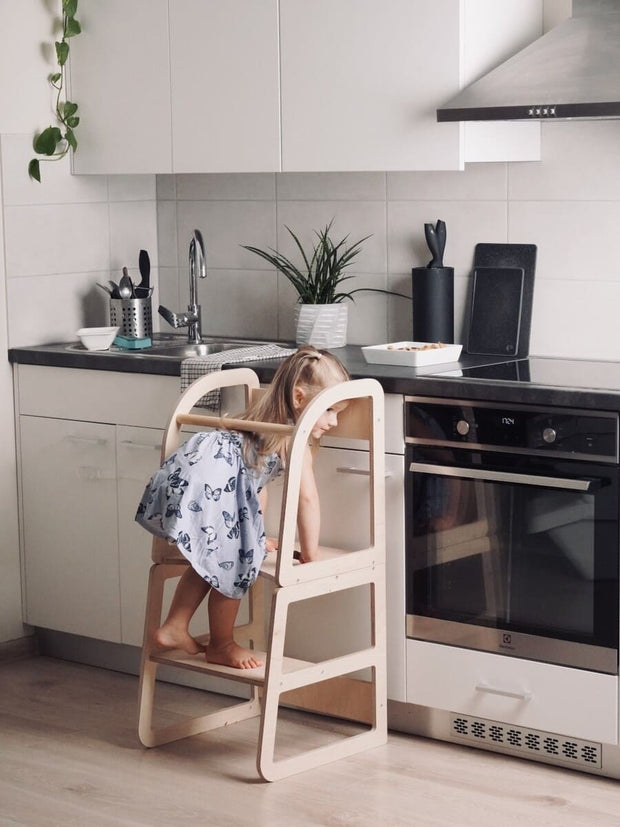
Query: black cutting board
x: 500, y: 309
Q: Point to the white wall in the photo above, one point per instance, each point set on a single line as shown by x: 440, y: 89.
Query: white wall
x: 568, y: 205
x: 60, y: 238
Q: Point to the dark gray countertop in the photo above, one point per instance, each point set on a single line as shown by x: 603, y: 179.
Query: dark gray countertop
x: 394, y: 379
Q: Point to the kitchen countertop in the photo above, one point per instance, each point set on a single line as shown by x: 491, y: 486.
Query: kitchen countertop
x: 393, y: 378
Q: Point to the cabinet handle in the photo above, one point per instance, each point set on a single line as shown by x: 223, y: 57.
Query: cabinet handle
x: 86, y: 440
x: 351, y: 469
x: 90, y: 473
x: 129, y: 443
x: 524, y: 695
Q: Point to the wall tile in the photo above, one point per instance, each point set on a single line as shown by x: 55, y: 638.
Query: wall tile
x: 57, y: 185
x: 167, y: 233
x: 477, y: 181
x: 240, y: 303
x: 166, y: 187
x: 580, y: 161
x: 133, y: 227
x: 466, y: 224
x: 576, y: 240
x: 353, y: 218
x: 576, y: 319
x: 225, y: 226
x: 64, y: 303
x: 64, y: 238
x: 330, y: 186
x: 132, y: 188
x: 226, y: 187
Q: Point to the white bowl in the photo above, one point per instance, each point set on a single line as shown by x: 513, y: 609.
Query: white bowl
x: 97, y: 338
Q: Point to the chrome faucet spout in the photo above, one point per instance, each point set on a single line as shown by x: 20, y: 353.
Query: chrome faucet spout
x: 197, y: 269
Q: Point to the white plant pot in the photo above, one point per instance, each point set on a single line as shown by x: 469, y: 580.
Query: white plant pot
x: 322, y: 325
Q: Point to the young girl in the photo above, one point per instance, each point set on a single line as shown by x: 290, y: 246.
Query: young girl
x: 209, y: 498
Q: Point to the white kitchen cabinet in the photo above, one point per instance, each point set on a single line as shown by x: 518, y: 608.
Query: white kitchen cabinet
x: 68, y: 474
x: 287, y: 85
x: 120, y: 79
x: 361, y: 81
x: 512, y: 690
x: 224, y: 85
x: 88, y: 442
x: 177, y: 86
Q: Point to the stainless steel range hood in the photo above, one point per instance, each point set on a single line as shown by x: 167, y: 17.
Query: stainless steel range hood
x: 571, y: 72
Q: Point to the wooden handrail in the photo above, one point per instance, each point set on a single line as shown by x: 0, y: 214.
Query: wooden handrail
x: 230, y: 424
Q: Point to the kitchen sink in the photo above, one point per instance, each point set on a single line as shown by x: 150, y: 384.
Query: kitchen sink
x: 167, y: 346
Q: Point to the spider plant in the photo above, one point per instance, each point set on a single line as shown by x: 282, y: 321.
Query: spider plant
x: 319, y: 278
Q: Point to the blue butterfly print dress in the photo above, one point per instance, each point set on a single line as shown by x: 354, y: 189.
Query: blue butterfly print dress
x: 205, y: 500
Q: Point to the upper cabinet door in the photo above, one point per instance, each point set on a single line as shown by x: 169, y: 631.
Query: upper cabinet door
x: 120, y: 80
x: 361, y: 80
x: 225, y: 85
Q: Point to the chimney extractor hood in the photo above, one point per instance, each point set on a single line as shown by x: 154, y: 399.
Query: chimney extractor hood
x: 571, y: 72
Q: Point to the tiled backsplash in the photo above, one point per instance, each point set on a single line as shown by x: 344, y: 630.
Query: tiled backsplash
x: 568, y: 205
x: 65, y: 235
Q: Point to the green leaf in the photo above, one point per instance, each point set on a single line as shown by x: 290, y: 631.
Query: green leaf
x: 72, y: 27
x: 72, y: 122
x: 55, y: 78
x: 47, y: 141
x: 70, y: 137
x: 62, y: 52
x: 69, y: 7
x: 69, y: 108
x: 33, y: 170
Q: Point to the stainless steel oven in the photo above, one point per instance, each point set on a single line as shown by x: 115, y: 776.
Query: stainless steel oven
x: 513, y: 530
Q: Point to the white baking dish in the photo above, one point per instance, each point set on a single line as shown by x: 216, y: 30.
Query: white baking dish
x: 426, y: 353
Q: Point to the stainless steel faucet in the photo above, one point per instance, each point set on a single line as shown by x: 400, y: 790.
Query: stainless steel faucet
x: 197, y: 269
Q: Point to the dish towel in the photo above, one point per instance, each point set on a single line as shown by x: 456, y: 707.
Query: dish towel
x: 196, y: 366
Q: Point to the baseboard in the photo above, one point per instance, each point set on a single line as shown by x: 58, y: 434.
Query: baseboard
x: 22, y: 647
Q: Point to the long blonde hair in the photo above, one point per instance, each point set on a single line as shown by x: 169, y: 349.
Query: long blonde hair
x: 310, y: 369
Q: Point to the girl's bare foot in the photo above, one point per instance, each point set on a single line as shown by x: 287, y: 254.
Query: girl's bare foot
x: 230, y: 654
x: 169, y: 637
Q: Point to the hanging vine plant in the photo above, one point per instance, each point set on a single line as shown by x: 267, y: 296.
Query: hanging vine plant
x: 54, y: 142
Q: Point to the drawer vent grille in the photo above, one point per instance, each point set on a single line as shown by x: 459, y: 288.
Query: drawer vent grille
x: 546, y: 745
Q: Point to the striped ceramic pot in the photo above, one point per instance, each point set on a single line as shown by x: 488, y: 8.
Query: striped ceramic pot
x: 322, y: 325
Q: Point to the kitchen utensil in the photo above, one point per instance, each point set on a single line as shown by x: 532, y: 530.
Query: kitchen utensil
x: 436, y: 240
x: 144, y: 265
x: 143, y: 292
x: 495, y: 318
x: 125, y: 285
x: 108, y: 290
x: 501, y: 257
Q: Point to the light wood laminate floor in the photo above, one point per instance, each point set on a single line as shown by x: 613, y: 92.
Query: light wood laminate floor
x: 69, y: 755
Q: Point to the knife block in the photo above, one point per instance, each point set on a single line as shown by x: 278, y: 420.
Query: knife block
x: 432, y: 290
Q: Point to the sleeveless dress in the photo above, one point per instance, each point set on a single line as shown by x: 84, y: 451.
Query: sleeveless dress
x: 204, y: 499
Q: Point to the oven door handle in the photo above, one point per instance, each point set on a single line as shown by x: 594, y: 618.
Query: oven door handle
x: 505, y: 476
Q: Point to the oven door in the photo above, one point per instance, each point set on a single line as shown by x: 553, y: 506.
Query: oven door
x: 513, y: 554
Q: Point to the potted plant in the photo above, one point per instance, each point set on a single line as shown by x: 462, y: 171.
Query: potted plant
x: 321, y: 314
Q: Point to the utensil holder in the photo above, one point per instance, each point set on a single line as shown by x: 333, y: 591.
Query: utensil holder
x: 432, y: 290
x: 134, y: 317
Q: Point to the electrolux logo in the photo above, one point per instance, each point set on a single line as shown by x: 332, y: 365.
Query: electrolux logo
x: 506, y: 641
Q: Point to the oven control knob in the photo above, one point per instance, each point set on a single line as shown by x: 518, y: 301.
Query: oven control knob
x: 549, y: 435
x: 462, y: 427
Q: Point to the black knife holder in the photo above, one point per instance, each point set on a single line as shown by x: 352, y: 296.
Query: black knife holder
x: 432, y: 290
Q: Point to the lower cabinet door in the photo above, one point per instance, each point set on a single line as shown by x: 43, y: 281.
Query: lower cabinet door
x: 138, y: 457
x: 514, y: 691
x: 70, y: 526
